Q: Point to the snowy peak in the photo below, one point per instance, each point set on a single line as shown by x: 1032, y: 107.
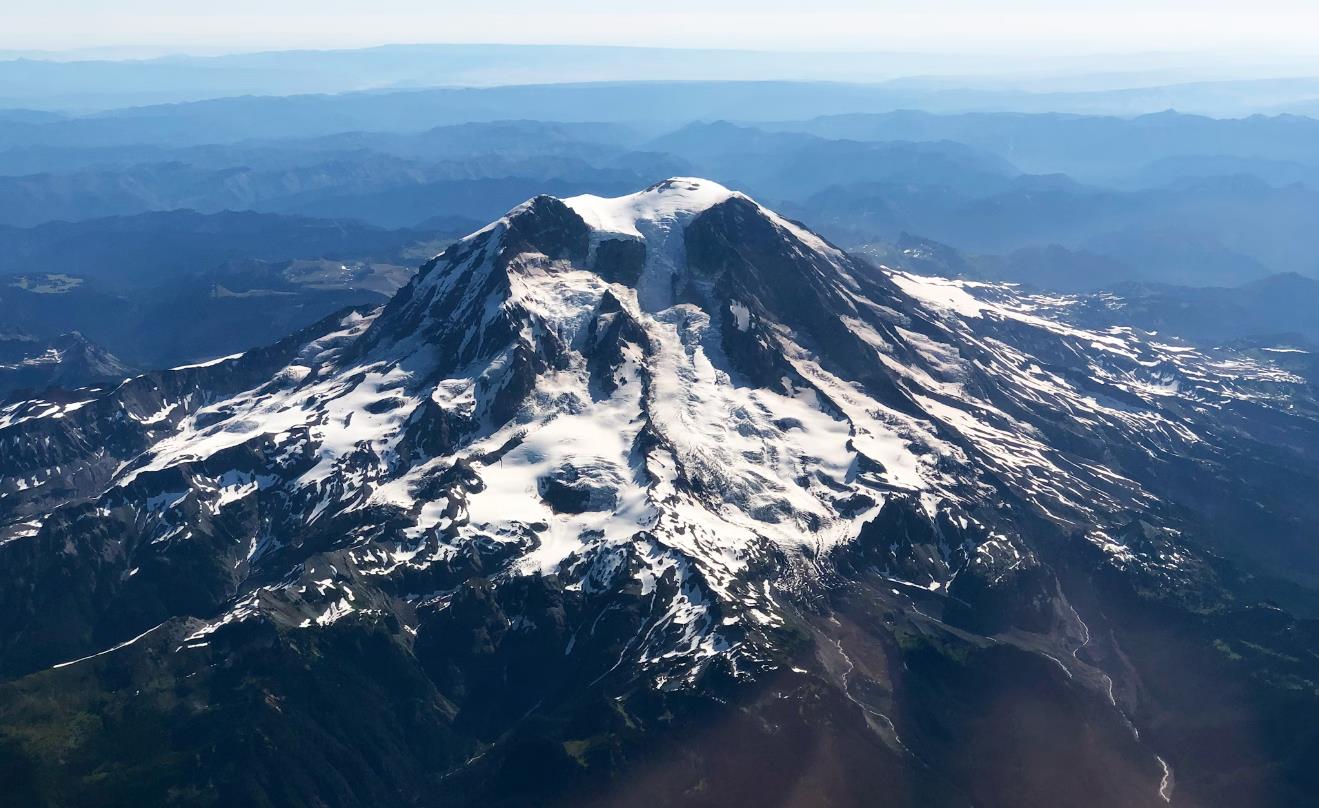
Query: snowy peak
x: 664, y: 442
x: 548, y: 258
x: 675, y: 393
x: 67, y: 361
x: 674, y: 200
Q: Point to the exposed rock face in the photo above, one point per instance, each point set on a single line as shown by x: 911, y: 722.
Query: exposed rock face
x: 580, y: 488
x: 664, y: 494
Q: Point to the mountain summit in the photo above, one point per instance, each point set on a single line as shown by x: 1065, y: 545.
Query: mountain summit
x: 665, y: 494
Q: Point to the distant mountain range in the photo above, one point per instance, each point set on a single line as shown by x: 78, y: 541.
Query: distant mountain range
x: 1273, y: 310
x: 1199, y: 233
x: 953, y: 82
x: 847, y: 110
x: 1236, y: 203
x: 1102, y: 149
x: 168, y: 288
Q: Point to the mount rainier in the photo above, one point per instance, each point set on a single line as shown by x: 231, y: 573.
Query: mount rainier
x: 665, y: 495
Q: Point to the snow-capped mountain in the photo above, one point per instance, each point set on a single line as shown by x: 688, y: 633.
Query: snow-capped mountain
x: 67, y: 361
x: 665, y: 493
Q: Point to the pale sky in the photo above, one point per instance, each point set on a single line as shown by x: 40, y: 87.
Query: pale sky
x: 1049, y: 26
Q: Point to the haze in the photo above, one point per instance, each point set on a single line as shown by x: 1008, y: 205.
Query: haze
x: 1259, y: 32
